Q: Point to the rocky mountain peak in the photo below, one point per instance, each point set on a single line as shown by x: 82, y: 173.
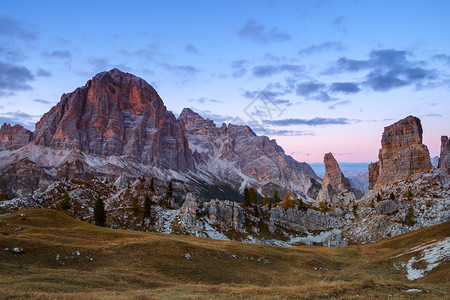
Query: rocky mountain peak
x: 444, y: 159
x: 402, y: 153
x: 336, y: 188
x: 116, y: 113
x: 13, y: 137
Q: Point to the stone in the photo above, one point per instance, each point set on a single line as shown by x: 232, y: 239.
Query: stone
x: 444, y: 158
x: 13, y: 137
x: 386, y: 207
x: 117, y: 113
x: 402, y: 154
x: 336, y: 188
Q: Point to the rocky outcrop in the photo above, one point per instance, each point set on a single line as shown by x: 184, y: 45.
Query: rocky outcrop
x: 13, y: 137
x: 239, y: 157
x: 444, y: 158
x: 402, y: 154
x: 225, y: 214
x: 117, y: 114
x: 336, y: 188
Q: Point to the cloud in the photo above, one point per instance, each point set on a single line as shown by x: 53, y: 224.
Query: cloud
x: 205, y: 100
x: 186, y: 70
x: 269, y: 70
x: 19, y: 117
x: 337, y: 104
x: 442, y: 57
x: 323, y: 47
x: 59, y: 54
x: 306, y: 89
x: 432, y: 115
x: 191, y: 49
x: 309, y: 122
x: 14, y: 78
x: 339, y: 24
x: 13, y: 29
x: 257, y: 32
x: 239, y: 68
x: 12, y: 54
x: 345, y: 87
x: 387, y: 69
x: 280, y: 132
x: 43, y: 73
x: 41, y: 101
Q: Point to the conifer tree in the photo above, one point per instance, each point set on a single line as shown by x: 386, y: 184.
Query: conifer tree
x: 287, y: 201
x: 147, y: 207
x: 410, y: 216
x: 152, y: 185
x: 246, y: 197
x: 392, y: 196
x: 378, y: 197
x: 355, y: 210
x: 169, y: 190
x: 65, y: 203
x: 275, y: 197
x: 99, y: 213
x: 265, y: 200
x: 253, y: 195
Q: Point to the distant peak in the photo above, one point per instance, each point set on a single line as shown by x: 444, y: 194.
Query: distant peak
x: 188, y: 113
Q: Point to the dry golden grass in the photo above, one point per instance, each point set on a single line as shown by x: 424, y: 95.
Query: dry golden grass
x: 137, y: 265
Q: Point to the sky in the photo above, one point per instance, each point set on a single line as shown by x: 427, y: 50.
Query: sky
x: 318, y: 76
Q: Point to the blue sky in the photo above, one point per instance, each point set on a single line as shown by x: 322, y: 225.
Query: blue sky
x: 318, y: 76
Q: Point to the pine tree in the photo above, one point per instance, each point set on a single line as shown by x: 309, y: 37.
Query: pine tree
x: 147, y: 207
x: 392, y: 196
x: 265, y: 200
x: 275, y: 197
x: 152, y: 185
x: 253, y: 195
x: 65, y: 203
x: 409, y: 195
x: 378, y: 197
x: 323, y: 206
x: 246, y: 197
x: 169, y: 190
x: 372, y: 203
x: 99, y: 213
x: 135, y: 204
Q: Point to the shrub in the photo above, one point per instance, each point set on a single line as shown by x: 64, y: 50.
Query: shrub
x: 378, y: 197
x: 355, y: 210
x: 147, y: 207
x: 372, y: 203
x: 410, y: 216
x: 392, y: 196
x: 169, y: 190
x: 409, y: 195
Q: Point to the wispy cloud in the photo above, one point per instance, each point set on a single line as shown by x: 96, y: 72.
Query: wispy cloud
x: 41, y: 101
x: 323, y: 47
x: 257, y: 32
x: 269, y: 70
x: 14, y: 29
x: 191, y: 49
x: 239, y: 67
x: 43, y: 73
x: 59, y: 54
x: 204, y: 100
x: 345, y: 87
x: 309, y: 122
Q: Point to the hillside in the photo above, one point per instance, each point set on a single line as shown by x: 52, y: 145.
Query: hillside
x: 68, y: 258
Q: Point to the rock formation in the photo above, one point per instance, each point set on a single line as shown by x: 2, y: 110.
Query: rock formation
x: 402, y: 154
x: 444, y: 158
x: 336, y: 188
x: 236, y: 155
x: 13, y: 137
x: 118, y: 114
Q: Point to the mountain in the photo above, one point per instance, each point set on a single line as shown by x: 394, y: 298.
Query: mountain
x: 336, y: 188
x: 236, y: 155
x: 117, y: 125
x: 402, y: 154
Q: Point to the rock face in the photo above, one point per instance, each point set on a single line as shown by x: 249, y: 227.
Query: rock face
x: 239, y: 157
x: 13, y: 137
x: 118, y: 114
x: 444, y: 159
x: 402, y: 154
x: 336, y: 188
